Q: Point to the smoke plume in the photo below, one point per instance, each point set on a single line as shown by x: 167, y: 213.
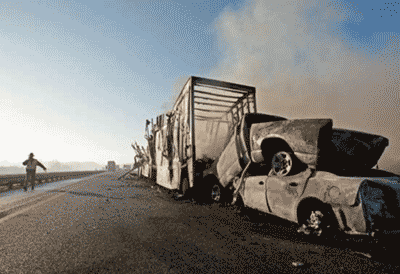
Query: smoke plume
x: 304, y: 64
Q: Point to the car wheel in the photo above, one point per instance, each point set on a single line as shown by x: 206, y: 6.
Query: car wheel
x: 216, y: 193
x: 282, y: 163
x: 319, y: 222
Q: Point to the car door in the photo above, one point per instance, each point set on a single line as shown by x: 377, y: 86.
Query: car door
x: 254, y: 193
x: 283, y: 193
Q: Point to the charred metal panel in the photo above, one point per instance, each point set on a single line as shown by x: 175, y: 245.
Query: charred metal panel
x: 302, y: 135
x: 236, y: 154
x: 228, y: 164
x: 216, y: 83
x: 354, y: 218
x: 161, y: 162
x: 145, y: 170
x: 203, y: 100
x: 191, y: 166
x: 380, y: 203
x: 333, y: 189
x: 254, y: 193
x: 366, y: 203
x: 284, y: 193
x: 176, y: 165
x: 355, y: 149
x: 243, y: 133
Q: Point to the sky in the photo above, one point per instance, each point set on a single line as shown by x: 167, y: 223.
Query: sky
x: 78, y: 79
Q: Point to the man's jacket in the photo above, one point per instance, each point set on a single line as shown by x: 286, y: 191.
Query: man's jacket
x: 32, y: 163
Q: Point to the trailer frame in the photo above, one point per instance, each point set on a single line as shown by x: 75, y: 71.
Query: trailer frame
x: 200, y: 100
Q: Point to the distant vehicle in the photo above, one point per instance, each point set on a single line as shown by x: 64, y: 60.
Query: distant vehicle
x: 127, y: 167
x: 111, y: 166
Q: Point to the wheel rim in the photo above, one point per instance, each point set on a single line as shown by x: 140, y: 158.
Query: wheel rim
x: 216, y: 193
x: 282, y: 163
x: 316, y: 224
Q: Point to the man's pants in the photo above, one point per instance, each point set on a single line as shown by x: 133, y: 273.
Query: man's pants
x: 30, y: 177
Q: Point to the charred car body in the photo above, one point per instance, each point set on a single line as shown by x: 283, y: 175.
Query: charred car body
x: 305, y: 171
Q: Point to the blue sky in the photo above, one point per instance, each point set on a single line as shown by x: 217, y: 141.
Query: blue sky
x: 78, y: 79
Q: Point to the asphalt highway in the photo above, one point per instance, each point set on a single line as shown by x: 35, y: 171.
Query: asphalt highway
x: 98, y: 224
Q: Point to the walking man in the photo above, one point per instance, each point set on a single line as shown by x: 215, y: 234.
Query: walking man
x: 31, y: 164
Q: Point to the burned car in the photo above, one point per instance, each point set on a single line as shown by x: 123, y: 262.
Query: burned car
x: 319, y: 200
x: 308, y: 172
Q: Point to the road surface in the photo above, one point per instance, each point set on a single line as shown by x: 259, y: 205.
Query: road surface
x: 101, y: 225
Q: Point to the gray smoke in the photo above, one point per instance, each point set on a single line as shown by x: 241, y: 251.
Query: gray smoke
x: 303, y: 64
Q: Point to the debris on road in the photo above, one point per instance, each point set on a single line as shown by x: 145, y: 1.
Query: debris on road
x: 363, y: 254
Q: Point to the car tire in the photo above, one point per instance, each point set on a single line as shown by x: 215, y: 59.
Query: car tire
x: 216, y: 192
x: 282, y: 162
x: 319, y: 222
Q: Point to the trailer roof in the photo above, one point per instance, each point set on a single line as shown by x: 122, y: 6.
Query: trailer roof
x: 214, y: 100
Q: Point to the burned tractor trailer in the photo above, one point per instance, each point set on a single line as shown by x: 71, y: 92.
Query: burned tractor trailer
x: 185, y: 141
x: 303, y: 170
x: 214, y: 136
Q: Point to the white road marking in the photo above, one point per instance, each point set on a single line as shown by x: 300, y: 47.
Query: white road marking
x: 363, y: 253
x: 14, y: 197
x: 8, y: 217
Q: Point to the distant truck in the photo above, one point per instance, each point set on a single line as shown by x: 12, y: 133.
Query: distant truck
x: 111, y: 166
x: 183, y: 142
x: 127, y: 167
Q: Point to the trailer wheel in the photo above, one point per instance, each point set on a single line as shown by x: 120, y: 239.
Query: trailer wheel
x: 184, y: 186
x: 216, y: 193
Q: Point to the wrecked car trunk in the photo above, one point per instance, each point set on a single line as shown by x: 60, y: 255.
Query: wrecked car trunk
x: 378, y: 192
x: 351, y: 149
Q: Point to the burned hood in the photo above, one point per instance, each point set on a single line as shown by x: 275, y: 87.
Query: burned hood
x: 304, y: 137
x: 349, y: 149
x: 380, y: 198
x: 389, y: 185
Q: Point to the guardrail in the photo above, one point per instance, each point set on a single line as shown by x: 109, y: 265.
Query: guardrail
x: 10, y: 180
